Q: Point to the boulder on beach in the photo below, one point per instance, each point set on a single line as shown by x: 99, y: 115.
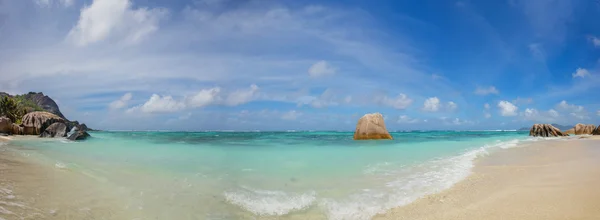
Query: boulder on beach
x: 596, y: 131
x: 545, y: 130
x: 57, y: 129
x: 371, y: 127
x: 35, y: 123
x: 77, y: 133
x: 5, y: 125
x: 16, y: 129
x: 581, y: 129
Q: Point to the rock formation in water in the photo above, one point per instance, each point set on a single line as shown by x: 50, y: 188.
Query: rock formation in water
x: 545, y: 130
x: 5, y: 125
x: 78, y: 133
x: 58, y: 129
x: 581, y: 129
x: 35, y: 123
x: 371, y: 126
x: 596, y: 131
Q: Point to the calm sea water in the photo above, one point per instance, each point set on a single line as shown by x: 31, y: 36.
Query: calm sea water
x: 249, y: 175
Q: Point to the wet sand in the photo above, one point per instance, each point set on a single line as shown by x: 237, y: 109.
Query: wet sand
x: 32, y: 191
x: 548, y: 180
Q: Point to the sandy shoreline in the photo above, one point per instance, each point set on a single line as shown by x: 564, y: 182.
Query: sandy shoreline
x: 556, y: 179
x: 548, y: 180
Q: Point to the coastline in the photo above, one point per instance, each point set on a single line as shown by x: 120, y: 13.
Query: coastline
x: 556, y: 179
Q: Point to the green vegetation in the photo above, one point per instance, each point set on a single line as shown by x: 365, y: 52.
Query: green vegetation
x: 16, y: 107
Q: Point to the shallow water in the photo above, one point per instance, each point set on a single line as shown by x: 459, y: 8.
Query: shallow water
x: 249, y: 175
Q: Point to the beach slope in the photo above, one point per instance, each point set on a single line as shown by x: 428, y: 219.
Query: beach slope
x: 548, y: 180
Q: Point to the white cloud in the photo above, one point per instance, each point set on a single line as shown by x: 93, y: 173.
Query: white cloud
x: 595, y: 40
x: 486, y: 106
x: 121, y: 103
x: 553, y: 113
x: 507, y: 108
x: 531, y: 114
x: 580, y: 72
x: 291, y: 115
x: 242, y: 96
x: 321, y: 68
x: 105, y: 18
x: 486, y: 91
x: 404, y: 119
x: 575, y: 111
x: 400, y: 102
x: 158, y: 104
x: 451, y: 106
x: 205, y: 97
x: 431, y: 104
x: 563, y: 105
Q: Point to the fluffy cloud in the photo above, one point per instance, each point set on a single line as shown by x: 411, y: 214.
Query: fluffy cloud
x: 434, y: 104
x: 400, y: 102
x: 158, y: 104
x: 580, y: 72
x: 105, y: 18
x: 431, y: 104
x: 121, y: 103
x: 507, y: 108
x: 242, y: 96
x: 404, y: 119
x: 321, y: 68
x: 205, y: 97
x: 531, y: 114
x: 291, y: 115
x: 564, y: 106
x: 486, y: 91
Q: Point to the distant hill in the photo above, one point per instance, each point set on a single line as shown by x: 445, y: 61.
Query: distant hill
x: 35, y: 101
x: 561, y: 127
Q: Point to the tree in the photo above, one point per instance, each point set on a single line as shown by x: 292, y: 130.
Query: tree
x: 9, y: 108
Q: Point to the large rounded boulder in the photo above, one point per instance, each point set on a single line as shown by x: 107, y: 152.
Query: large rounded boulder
x: 57, y: 129
x: 35, y: 123
x: 581, y: 129
x: 5, y: 125
x: 371, y: 127
x: 545, y: 130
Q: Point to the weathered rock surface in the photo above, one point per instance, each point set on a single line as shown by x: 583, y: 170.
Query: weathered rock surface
x: 44, y: 102
x: 581, y: 129
x: 570, y: 131
x: 16, y: 129
x: 57, y: 129
x: 545, y: 130
x: 596, y: 131
x: 35, y: 123
x: 78, y: 133
x: 5, y: 125
x: 371, y: 126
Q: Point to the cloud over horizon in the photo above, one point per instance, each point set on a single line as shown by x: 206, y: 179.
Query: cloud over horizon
x: 312, y: 66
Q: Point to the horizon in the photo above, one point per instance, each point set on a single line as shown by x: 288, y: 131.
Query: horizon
x: 202, y: 65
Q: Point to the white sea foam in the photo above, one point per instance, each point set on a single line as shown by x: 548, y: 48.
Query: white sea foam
x: 267, y: 202
x: 412, y: 183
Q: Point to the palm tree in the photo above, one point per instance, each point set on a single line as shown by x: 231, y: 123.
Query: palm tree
x: 9, y: 108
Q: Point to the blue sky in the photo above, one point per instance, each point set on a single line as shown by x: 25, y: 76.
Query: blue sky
x: 306, y: 65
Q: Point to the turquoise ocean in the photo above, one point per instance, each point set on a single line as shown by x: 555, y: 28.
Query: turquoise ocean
x: 279, y: 175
